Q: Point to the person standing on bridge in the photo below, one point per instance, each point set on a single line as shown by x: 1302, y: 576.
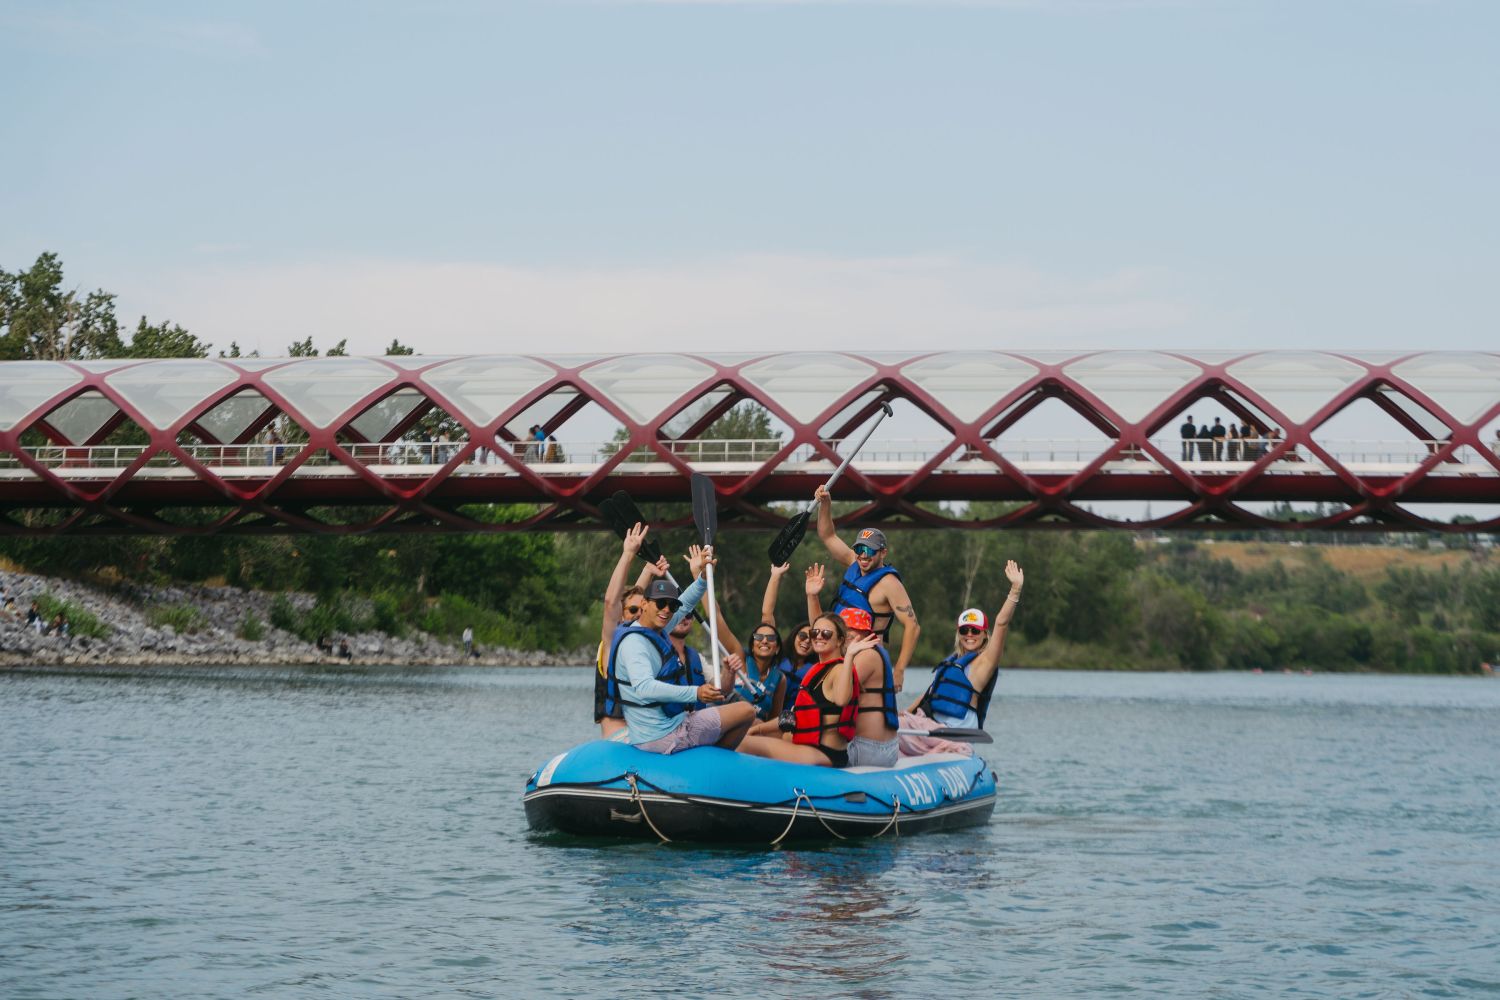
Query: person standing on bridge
x: 870, y: 584
x: 1188, y: 432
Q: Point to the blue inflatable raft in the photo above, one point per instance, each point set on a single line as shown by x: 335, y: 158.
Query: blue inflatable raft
x: 709, y: 794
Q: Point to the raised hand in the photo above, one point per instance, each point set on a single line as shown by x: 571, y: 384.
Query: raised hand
x: 777, y: 572
x: 698, y: 557
x: 658, y: 568
x: 857, y: 646
x: 814, y: 582
x: 1014, y: 575
x: 822, y: 495
x: 634, y: 537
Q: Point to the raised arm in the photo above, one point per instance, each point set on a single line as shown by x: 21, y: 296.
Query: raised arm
x: 840, y: 683
x: 984, y: 664
x: 629, y: 546
x: 837, y: 550
x: 814, y: 587
x: 910, y: 630
x: 768, y: 602
x: 650, y: 571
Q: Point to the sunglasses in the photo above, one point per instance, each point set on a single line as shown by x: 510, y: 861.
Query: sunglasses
x: 764, y: 637
x: 864, y: 550
x: 802, y: 636
x: 670, y: 603
x: 821, y: 633
x: 634, y: 609
x: 970, y: 630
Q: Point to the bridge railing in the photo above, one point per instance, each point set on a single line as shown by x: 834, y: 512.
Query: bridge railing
x: 1041, y: 455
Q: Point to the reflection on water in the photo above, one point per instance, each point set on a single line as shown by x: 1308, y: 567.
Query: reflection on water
x: 358, y: 832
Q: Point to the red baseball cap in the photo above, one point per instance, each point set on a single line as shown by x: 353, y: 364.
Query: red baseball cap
x: 858, y: 618
x: 973, y: 616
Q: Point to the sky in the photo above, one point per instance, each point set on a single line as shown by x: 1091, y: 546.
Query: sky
x: 608, y: 176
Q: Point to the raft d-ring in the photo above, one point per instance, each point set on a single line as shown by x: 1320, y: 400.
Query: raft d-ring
x: 635, y: 796
x: 796, y: 805
x: 895, y: 817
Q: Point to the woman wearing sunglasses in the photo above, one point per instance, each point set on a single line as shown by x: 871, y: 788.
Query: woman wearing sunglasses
x: 795, y: 662
x: 818, y: 727
x: 959, y: 694
x: 767, y: 671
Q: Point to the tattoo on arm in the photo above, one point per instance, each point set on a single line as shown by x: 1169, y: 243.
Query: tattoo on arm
x: 905, y: 611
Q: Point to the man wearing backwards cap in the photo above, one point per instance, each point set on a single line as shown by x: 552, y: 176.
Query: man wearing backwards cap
x: 869, y: 584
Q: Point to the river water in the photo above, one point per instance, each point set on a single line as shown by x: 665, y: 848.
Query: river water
x: 359, y: 833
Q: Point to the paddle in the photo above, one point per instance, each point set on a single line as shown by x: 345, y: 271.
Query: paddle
x: 956, y: 735
x: 621, y: 514
x: 706, y: 519
x: 791, y: 535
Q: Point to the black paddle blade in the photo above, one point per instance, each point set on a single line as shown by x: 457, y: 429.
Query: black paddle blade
x: 612, y: 517
x: 630, y: 515
x: 705, y: 508
x: 790, y: 537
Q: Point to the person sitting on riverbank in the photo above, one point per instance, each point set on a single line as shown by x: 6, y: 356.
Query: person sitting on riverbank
x: 621, y: 606
x: 869, y: 583
x: 34, y: 619
x: 646, y: 679
x: 962, y: 685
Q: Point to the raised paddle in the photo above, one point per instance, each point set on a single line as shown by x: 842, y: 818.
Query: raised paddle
x: 790, y: 537
x: 706, y: 519
x: 956, y: 735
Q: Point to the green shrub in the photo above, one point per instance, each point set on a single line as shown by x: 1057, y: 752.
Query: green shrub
x: 183, y: 618
x: 284, y: 613
x: 252, y: 628
x: 80, y: 622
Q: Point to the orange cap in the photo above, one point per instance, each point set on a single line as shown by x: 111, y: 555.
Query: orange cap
x: 857, y: 618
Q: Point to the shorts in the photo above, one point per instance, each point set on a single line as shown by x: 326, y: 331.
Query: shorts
x: 874, y: 753
x: 836, y: 758
x: 700, y: 729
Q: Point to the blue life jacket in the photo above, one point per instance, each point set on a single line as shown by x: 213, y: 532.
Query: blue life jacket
x: 854, y: 592
x: 695, y: 675
x: 672, y: 671
x: 765, y: 700
x: 887, y: 691
x: 794, y: 676
x: 952, y: 693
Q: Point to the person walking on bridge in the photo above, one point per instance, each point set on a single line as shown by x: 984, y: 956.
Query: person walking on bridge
x: 1189, y: 432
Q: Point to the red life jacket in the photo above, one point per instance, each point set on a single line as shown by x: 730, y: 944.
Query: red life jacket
x: 812, y: 707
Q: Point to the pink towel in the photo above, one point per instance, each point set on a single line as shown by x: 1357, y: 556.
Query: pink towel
x: 916, y: 746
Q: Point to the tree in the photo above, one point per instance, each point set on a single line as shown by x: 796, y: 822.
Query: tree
x: 166, y: 340
x: 398, y: 349
x: 40, y: 321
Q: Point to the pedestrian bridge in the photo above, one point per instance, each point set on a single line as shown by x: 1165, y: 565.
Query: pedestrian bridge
x: 1086, y: 439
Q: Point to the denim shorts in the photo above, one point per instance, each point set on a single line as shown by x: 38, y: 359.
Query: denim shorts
x: 874, y: 753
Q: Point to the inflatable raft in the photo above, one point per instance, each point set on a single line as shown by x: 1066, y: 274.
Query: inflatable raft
x: 714, y: 795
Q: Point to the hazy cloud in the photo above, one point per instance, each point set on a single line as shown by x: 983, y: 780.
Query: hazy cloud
x: 772, y: 302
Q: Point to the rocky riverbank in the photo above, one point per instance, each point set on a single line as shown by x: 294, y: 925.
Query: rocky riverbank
x: 133, y: 633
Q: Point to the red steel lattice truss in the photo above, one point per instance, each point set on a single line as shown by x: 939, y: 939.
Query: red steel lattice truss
x: 53, y: 416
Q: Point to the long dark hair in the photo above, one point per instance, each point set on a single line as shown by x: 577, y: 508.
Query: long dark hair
x: 798, y: 660
x: 750, y: 643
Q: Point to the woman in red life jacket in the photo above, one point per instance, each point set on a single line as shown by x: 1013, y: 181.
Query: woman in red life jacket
x: 818, y: 726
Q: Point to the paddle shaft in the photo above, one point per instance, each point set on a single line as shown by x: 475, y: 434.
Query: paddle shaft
x: 885, y: 411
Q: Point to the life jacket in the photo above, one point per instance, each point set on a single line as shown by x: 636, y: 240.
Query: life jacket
x: 695, y: 675
x: 854, y: 592
x: 812, y: 708
x: 672, y: 671
x: 887, y: 691
x: 794, y: 676
x: 765, y: 700
x: 952, y: 693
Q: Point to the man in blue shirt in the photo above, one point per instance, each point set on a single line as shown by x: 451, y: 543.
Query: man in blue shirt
x: 654, y: 706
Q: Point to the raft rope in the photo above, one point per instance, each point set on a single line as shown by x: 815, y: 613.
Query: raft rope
x: 635, y: 796
x: 803, y: 797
